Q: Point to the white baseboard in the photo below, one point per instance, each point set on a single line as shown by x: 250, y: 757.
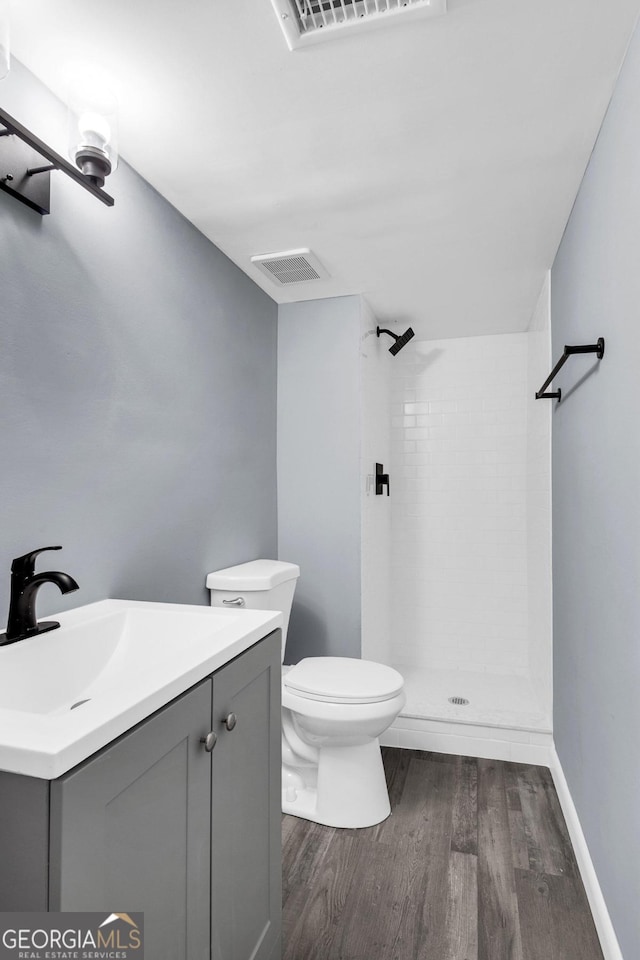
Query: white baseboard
x: 470, y: 740
x: 601, y: 918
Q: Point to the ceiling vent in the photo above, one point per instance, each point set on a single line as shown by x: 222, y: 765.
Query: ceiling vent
x: 312, y: 21
x: 290, y: 266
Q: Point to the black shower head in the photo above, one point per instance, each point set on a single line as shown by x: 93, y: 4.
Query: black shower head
x: 400, y: 341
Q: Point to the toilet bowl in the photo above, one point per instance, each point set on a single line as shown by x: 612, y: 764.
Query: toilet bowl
x: 333, y: 711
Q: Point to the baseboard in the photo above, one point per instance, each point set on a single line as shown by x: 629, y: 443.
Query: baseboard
x: 601, y: 918
x: 470, y: 740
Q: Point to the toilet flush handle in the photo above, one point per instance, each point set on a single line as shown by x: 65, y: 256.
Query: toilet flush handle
x: 238, y: 602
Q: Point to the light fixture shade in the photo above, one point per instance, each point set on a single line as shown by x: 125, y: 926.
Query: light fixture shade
x: 5, y: 36
x: 93, y: 132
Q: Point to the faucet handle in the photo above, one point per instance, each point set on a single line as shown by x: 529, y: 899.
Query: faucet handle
x: 25, y: 566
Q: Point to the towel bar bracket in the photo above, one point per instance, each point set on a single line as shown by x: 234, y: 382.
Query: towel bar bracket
x: 597, y: 348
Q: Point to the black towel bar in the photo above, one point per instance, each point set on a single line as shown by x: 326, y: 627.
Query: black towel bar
x: 597, y: 348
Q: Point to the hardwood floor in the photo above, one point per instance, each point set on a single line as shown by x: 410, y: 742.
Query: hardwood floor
x: 474, y: 863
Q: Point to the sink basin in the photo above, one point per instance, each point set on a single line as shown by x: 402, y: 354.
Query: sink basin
x: 66, y: 693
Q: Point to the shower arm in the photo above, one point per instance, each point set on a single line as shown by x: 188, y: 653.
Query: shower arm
x: 380, y: 330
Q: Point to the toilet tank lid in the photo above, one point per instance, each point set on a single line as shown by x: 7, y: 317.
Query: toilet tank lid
x: 254, y: 575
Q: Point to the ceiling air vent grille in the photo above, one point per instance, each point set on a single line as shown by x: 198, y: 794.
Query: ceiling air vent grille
x: 311, y: 21
x: 291, y: 266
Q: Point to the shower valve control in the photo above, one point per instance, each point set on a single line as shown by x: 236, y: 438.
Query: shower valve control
x: 382, y: 480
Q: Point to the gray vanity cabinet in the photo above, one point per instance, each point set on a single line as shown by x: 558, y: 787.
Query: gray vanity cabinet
x: 130, y: 829
x: 246, y: 808
x: 156, y: 823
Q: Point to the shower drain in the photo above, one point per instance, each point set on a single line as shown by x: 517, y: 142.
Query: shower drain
x: 459, y: 701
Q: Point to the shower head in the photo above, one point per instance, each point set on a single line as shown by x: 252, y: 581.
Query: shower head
x: 400, y: 341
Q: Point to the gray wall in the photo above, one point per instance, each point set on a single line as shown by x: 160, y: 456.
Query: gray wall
x: 319, y: 472
x: 596, y: 507
x: 137, y: 390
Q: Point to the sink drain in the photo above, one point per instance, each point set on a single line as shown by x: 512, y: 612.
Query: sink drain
x: 79, y: 703
x: 459, y: 701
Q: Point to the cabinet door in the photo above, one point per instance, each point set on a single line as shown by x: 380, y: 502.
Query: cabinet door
x: 130, y: 830
x: 246, y: 773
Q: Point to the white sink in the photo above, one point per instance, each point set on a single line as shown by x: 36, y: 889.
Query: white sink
x: 66, y: 693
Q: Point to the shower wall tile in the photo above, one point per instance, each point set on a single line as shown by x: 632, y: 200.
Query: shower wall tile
x: 460, y: 508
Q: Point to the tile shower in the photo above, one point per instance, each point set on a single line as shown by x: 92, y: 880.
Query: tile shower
x: 463, y: 544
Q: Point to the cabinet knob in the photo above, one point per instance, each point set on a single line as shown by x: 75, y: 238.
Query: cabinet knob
x: 230, y: 721
x: 209, y: 741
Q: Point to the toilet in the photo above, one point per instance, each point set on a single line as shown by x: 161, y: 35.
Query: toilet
x: 333, y: 710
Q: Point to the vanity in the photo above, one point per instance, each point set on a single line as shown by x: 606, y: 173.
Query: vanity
x: 140, y: 771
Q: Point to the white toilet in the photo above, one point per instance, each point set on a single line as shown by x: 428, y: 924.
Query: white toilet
x: 333, y: 711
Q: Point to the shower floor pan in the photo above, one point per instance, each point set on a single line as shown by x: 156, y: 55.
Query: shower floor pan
x: 494, y: 700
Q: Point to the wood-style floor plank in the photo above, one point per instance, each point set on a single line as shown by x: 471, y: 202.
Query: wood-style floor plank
x: 371, y: 900
x: 317, y: 908
x: 422, y: 854
x: 519, y: 844
x: 555, y: 919
x: 462, y: 912
x: 464, y: 836
x: 548, y: 841
x: 455, y: 873
x: 498, y: 922
x: 304, y: 846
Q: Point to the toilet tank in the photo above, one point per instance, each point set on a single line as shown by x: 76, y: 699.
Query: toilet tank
x: 262, y: 584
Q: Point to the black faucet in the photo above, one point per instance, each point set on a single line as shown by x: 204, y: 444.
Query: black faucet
x: 25, y: 583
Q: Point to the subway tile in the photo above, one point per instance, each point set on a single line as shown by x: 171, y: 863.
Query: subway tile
x: 465, y: 505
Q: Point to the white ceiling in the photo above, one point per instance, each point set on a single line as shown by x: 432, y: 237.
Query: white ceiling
x: 431, y: 166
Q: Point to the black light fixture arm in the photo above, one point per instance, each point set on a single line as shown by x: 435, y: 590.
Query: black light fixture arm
x: 597, y: 348
x: 21, y: 165
x: 43, y: 169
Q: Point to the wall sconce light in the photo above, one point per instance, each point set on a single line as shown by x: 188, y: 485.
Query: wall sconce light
x: 24, y: 175
x: 93, y: 134
x: 92, y: 144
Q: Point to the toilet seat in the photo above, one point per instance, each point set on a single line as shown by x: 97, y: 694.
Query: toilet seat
x: 343, y: 680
